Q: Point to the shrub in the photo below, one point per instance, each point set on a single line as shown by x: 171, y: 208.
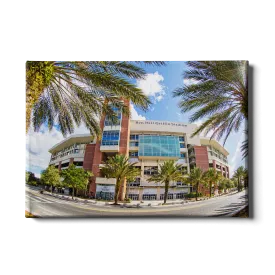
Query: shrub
x: 34, y: 183
x: 193, y: 195
x: 127, y: 200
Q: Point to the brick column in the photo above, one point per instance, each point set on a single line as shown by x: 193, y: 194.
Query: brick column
x: 124, y: 145
x: 59, y: 166
x: 97, y: 159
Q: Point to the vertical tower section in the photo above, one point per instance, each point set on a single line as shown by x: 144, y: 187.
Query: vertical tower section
x: 124, y: 144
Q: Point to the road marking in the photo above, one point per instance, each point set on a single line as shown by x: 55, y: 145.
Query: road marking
x: 138, y: 210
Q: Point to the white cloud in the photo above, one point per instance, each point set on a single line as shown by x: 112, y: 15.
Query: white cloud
x: 152, y: 86
x: 188, y: 82
x: 134, y: 114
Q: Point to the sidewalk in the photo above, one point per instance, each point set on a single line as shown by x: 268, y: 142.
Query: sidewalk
x: 132, y: 204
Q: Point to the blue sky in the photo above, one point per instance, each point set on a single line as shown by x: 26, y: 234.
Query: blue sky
x: 159, y: 85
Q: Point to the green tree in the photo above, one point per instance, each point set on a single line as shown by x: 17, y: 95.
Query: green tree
x: 27, y: 177
x: 168, y: 171
x: 196, y: 177
x: 219, y: 93
x: 229, y: 184
x: 118, y: 167
x: 68, y: 93
x: 211, y: 179
x: 222, y: 184
x: 75, y: 178
x: 51, y: 177
x: 239, y: 175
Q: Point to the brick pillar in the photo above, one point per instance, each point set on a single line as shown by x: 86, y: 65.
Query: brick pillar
x: 124, y: 145
x: 59, y: 166
x: 71, y: 161
x: 97, y: 159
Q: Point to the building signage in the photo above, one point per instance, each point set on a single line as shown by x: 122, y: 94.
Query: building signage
x: 105, y: 188
x: 161, y: 123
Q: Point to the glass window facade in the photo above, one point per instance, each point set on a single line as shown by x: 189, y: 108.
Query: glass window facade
x: 133, y: 154
x: 110, y: 138
x: 133, y: 137
x: 108, y: 121
x: 182, y: 155
x: 162, y: 146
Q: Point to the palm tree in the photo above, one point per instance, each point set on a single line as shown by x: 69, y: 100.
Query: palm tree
x: 211, y: 177
x: 168, y: 172
x: 68, y: 93
x: 118, y: 167
x: 240, y: 175
x: 219, y: 93
x: 196, y: 177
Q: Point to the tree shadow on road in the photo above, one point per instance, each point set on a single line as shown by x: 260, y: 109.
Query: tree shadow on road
x: 232, y: 207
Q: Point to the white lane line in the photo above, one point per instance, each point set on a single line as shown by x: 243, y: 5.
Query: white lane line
x: 40, y: 200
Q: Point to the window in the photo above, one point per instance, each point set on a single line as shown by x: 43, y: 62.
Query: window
x: 165, y: 146
x: 133, y: 137
x: 181, y: 138
x: 78, y: 163
x: 110, y: 138
x: 182, y: 155
x: 180, y: 196
x: 108, y: 121
x: 182, y: 145
x: 150, y: 170
x: 135, y: 183
x: 133, y: 144
x: 149, y: 197
x: 133, y: 197
x: 63, y: 165
x: 169, y: 196
x: 133, y: 154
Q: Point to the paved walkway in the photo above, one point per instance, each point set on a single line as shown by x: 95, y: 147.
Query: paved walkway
x: 132, y: 204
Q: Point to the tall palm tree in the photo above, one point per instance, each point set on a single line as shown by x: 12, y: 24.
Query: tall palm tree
x: 118, y: 167
x: 219, y: 93
x: 68, y: 93
x: 240, y: 174
x: 211, y: 177
x: 196, y: 177
x: 169, y: 171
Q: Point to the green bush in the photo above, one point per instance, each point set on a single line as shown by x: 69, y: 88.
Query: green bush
x: 127, y: 200
x: 193, y: 195
x: 34, y: 183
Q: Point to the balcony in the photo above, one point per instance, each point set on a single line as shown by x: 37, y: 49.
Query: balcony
x: 109, y: 148
x: 101, y: 180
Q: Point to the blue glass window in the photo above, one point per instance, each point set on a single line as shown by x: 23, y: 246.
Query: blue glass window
x: 133, y: 137
x: 108, y: 121
x: 181, y: 138
x: 110, y: 138
x: 182, y: 155
x: 162, y: 146
x: 182, y: 145
x: 133, y: 154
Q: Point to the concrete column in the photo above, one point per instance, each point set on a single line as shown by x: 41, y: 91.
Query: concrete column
x: 140, y: 194
x: 158, y: 193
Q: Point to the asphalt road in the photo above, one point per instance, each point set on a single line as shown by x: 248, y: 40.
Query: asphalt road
x: 49, y: 207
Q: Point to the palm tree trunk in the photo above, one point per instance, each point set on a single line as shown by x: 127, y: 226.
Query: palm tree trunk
x: 197, y: 187
x: 117, y: 191
x: 166, y: 191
